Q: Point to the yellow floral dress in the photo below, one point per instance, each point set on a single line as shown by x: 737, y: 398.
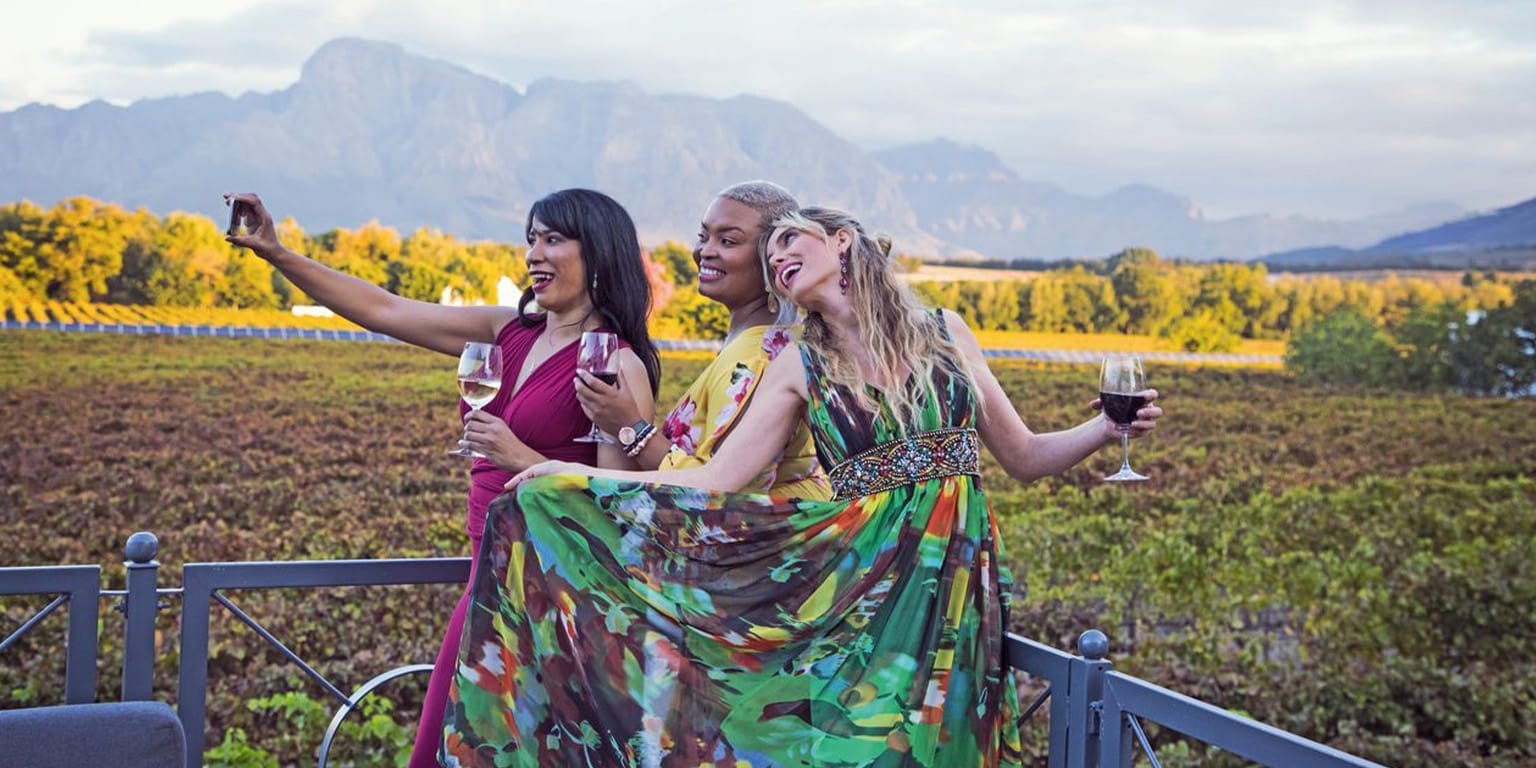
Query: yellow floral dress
x: 713, y: 404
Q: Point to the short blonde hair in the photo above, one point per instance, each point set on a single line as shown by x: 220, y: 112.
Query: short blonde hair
x: 770, y: 201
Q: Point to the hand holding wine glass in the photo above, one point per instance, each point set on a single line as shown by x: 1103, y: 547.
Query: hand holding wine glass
x: 250, y: 225
x: 480, y: 370
x: 597, y: 355
x: 1123, y: 392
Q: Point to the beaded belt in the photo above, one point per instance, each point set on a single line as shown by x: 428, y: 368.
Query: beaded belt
x: 912, y: 459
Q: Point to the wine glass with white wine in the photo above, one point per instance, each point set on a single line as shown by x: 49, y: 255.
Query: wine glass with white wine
x: 1123, y: 392
x: 479, y: 381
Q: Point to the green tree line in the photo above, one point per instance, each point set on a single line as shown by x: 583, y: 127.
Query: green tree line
x: 1434, y: 346
x: 83, y: 250
x: 1201, y: 307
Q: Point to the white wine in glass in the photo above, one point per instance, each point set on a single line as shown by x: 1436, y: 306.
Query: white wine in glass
x: 1123, y: 392
x: 479, y: 381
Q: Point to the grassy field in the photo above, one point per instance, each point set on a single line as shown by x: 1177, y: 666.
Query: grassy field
x: 1354, y: 566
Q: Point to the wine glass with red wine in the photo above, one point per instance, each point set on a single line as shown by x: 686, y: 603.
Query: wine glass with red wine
x: 597, y: 355
x: 1123, y: 392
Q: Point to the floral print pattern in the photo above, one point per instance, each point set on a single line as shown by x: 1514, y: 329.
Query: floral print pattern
x: 710, y: 408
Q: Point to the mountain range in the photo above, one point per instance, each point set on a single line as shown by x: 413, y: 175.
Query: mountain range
x: 1503, y: 239
x: 371, y: 131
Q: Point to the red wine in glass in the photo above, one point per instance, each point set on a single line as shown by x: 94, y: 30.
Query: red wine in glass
x: 597, y: 355
x: 1122, y: 388
x: 1121, y: 409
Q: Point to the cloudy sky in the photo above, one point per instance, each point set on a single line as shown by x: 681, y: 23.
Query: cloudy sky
x: 1339, y: 108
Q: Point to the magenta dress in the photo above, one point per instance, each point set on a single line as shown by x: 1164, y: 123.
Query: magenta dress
x: 546, y: 416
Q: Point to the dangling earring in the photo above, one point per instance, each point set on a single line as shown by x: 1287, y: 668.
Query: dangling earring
x: 594, y: 282
x: 773, y: 303
x: 842, y: 283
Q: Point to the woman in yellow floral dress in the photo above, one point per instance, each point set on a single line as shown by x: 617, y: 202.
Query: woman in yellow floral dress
x: 729, y: 256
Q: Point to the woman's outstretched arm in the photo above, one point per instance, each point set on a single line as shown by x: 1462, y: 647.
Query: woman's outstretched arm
x: 1022, y: 453
x: 433, y: 326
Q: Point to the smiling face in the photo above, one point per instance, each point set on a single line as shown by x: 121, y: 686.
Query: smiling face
x: 726, y: 253
x: 555, y: 267
x: 805, y: 266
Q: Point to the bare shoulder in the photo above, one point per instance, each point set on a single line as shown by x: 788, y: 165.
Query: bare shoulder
x: 960, y: 331
x: 631, y: 364
x: 497, y: 318
x: 787, y: 372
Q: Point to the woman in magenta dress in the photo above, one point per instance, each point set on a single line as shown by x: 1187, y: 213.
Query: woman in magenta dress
x: 586, y: 272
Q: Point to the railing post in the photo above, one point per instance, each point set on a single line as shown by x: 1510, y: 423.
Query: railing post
x: 1115, y: 747
x: 1111, y: 739
x: 192, y: 680
x: 82, y: 643
x: 1085, y: 695
x: 141, y: 604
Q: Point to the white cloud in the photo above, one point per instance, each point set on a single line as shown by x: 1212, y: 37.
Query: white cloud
x: 1322, y: 106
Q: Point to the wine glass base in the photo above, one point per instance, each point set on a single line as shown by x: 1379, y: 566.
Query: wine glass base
x: 1126, y: 476
x: 465, y: 452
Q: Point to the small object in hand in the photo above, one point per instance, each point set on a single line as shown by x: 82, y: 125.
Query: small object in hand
x: 242, y: 219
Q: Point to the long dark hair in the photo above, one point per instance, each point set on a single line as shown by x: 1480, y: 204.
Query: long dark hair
x: 610, y: 257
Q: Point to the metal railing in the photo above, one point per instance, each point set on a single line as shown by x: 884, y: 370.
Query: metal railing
x: 1096, y: 715
x: 205, y: 582
x: 79, y: 586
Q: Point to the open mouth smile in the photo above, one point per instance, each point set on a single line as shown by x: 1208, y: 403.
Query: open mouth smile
x: 787, y: 274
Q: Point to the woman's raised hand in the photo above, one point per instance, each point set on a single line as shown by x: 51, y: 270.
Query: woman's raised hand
x: 261, y: 237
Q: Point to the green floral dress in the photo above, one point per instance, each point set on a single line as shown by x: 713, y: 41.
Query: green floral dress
x: 629, y: 624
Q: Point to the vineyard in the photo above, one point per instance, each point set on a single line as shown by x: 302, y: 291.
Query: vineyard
x: 132, y: 314
x: 112, y: 314
x: 1351, y: 565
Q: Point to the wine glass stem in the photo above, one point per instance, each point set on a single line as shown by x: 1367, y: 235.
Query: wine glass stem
x: 472, y: 452
x: 1125, y: 450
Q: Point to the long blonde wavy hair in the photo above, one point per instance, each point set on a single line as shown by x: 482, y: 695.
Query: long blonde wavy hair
x: 901, y: 333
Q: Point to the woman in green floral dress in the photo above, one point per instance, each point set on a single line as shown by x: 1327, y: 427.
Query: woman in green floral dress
x: 664, y: 619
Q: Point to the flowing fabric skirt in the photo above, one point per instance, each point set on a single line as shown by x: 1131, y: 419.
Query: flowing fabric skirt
x: 627, y: 624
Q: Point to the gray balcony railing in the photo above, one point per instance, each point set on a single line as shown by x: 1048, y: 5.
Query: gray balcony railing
x: 78, y: 586
x: 1096, y: 715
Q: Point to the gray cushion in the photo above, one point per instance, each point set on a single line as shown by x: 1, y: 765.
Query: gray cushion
x: 133, y: 734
